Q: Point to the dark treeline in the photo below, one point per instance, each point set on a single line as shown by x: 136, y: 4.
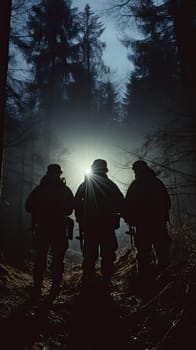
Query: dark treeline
x: 163, y: 88
x: 57, y: 79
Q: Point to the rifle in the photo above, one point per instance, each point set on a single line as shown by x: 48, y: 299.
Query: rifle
x: 131, y: 232
x: 69, y: 225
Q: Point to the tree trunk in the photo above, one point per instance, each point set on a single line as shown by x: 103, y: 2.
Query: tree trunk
x: 184, y: 13
x: 5, y: 13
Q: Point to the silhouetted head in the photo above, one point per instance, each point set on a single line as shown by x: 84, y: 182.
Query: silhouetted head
x: 141, y: 169
x: 99, y: 166
x: 54, y: 170
x: 140, y: 165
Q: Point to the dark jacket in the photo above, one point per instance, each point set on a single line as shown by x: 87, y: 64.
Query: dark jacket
x: 98, y: 201
x: 50, y: 202
x: 147, y: 201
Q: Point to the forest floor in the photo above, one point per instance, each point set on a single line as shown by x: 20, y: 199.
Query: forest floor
x: 152, y: 313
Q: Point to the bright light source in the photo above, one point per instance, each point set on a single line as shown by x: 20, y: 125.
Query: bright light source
x: 88, y: 172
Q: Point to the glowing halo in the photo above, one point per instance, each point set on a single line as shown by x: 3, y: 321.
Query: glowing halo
x: 88, y: 172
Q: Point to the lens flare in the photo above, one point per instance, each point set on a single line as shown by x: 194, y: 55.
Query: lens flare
x: 88, y: 172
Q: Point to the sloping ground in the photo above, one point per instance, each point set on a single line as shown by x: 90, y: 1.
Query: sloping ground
x: 148, y: 313
x: 34, y: 323
x: 163, y: 316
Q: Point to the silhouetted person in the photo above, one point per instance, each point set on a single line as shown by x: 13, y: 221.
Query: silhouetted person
x: 97, y: 206
x: 49, y: 204
x: 146, y: 207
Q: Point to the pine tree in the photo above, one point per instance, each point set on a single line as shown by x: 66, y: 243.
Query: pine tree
x: 156, y: 77
x: 53, y: 50
x: 108, y: 102
x: 53, y: 54
x: 16, y: 81
x: 91, y: 67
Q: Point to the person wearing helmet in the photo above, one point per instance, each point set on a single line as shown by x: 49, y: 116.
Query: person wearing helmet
x: 98, y: 202
x: 50, y: 204
x: 146, y: 207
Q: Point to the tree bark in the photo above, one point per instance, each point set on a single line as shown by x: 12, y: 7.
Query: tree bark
x: 5, y: 14
x: 184, y: 13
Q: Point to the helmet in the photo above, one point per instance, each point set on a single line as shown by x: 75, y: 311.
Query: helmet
x: 140, y: 165
x: 54, y: 169
x: 99, y: 165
